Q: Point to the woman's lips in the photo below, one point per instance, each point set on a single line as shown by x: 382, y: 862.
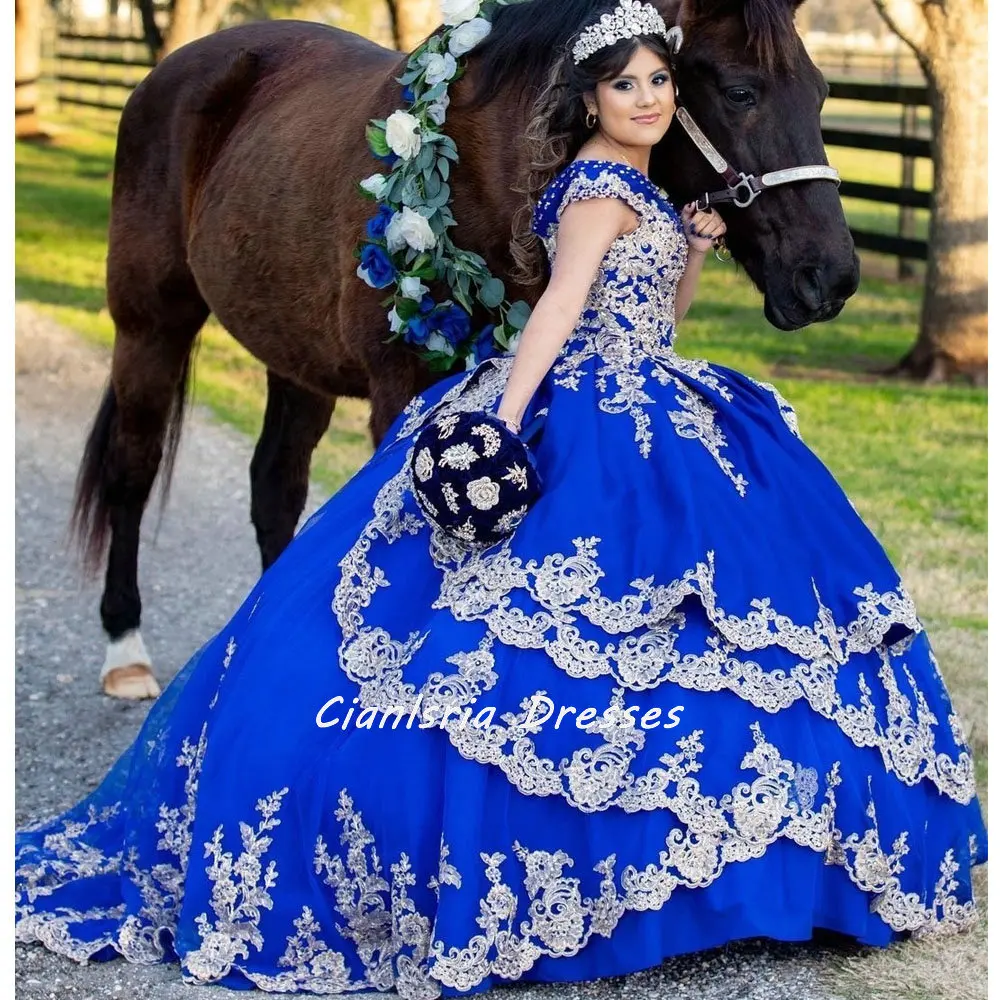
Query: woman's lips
x: 646, y: 119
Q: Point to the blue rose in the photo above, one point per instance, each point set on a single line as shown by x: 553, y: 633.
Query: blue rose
x: 418, y: 330
x: 377, y: 224
x: 408, y: 95
x: 484, y: 346
x: 376, y: 269
x: 453, y: 324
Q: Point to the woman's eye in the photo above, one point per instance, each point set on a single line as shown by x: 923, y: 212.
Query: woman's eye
x: 622, y: 85
x: 742, y: 97
x: 659, y: 81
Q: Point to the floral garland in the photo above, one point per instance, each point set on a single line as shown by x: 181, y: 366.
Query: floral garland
x: 406, y: 242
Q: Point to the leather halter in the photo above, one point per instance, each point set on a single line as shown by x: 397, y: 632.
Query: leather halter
x: 743, y: 189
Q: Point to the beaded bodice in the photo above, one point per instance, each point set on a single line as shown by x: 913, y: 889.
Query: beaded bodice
x: 632, y: 298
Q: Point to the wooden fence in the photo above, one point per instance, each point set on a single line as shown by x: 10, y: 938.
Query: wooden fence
x: 909, y: 143
x: 100, y: 70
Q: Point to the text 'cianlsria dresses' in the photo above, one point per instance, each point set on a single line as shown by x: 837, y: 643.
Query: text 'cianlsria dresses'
x: 769, y: 746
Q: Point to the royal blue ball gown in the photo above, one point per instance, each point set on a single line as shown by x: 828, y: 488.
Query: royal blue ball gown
x: 686, y: 702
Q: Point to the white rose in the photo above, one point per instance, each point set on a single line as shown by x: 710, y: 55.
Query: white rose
x: 437, y: 112
x: 468, y: 35
x: 412, y: 288
x: 435, y: 342
x: 375, y: 185
x: 402, y: 132
x: 439, y: 68
x: 409, y: 228
x: 395, y: 322
x: 457, y: 11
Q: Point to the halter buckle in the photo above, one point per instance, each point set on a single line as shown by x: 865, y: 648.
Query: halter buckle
x: 744, y: 193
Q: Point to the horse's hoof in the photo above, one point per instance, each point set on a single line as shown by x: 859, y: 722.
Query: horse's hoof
x: 134, y: 682
x: 127, y: 671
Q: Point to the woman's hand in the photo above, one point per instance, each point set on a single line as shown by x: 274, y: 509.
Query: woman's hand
x: 702, y: 229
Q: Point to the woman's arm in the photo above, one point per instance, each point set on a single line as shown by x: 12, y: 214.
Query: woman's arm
x: 688, y: 284
x: 586, y: 231
x: 701, y: 230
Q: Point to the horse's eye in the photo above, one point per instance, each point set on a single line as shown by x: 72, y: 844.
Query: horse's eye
x: 742, y: 97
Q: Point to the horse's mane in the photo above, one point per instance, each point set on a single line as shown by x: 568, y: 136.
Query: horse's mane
x: 771, y: 35
x: 518, y: 52
x: 526, y: 37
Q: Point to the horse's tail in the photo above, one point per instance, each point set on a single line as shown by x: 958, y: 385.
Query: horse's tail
x: 90, y: 522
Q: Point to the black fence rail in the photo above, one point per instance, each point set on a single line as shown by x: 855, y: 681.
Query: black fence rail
x: 98, y: 70
x: 910, y: 142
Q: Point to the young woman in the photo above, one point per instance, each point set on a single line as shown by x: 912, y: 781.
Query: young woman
x: 686, y: 702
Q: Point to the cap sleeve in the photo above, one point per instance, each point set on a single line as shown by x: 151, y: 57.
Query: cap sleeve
x: 583, y: 180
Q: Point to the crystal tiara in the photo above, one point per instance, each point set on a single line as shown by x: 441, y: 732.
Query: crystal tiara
x: 628, y: 19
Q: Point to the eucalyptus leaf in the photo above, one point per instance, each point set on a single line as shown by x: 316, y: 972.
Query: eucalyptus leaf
x: 394, y: 190
x: 517, y: 314
x: 411, y: 196
x: 463, y: 299
x: 432, y: 187
x: 425, y: 158
x: 491, y: 292
x: 444, y: 167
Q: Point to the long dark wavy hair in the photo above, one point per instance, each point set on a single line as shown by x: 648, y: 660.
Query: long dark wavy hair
x: 557, y: 129
x: 531, y: 42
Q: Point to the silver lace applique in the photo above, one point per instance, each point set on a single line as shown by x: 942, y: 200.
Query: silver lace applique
x: 240, y: 889
x: 627, y: 324
x: 476, y: 584
x: 395, y: 943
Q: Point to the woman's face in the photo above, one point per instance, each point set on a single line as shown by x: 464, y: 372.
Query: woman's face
x: 636, y: 107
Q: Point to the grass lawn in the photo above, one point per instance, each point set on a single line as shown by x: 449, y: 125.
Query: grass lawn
x: 913, y: 459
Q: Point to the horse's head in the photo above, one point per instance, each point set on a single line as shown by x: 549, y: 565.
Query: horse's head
x: 749, y: 84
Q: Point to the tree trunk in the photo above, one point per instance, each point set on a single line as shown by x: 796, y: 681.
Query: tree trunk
x: 191, y: 19
x: 28, y: 16
x: 413, y: 21
x: 185, y: 26
x: 950, y: 42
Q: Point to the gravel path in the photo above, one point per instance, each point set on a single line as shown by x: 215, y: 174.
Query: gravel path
x: 196, y: 564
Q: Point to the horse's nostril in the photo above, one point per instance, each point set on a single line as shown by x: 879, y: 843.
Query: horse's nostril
x: 808, y: 284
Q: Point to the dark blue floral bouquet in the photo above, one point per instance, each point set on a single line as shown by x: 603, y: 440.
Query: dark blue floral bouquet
x: 473, y: 477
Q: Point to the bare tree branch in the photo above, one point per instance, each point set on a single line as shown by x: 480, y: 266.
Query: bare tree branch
x: 393, y: 6
x: 150, y: 29
x: 906, y: 18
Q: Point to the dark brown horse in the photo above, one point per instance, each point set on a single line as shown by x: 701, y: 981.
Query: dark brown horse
x: 235, y: 192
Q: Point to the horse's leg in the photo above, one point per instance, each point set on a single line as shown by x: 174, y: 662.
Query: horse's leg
x: 149, y: 378
x: 156, y: 322
x: 294, y: 421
